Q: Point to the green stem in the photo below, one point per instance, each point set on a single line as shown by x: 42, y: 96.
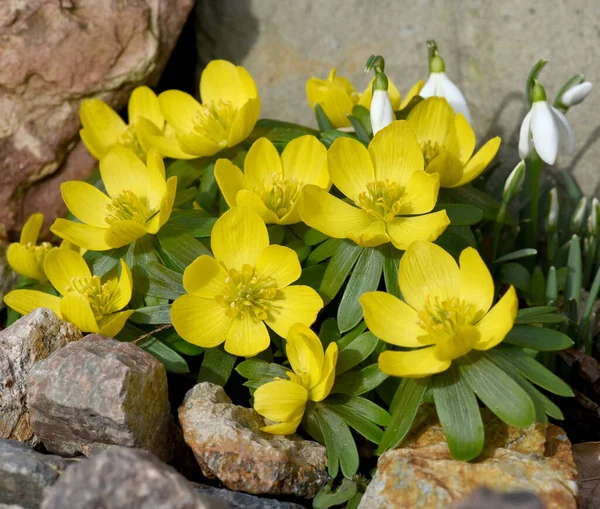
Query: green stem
x: 534, y: 166
x: 497, y: 227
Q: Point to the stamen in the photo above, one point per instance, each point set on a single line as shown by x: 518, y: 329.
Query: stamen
x: 39, y: 251
x: 213, y: 121
x: 280, y: 194
x: 128, y: 206
x: 98, y: 294
x: 382, y: 200
x: 128, y: 139
x: 430, y: 150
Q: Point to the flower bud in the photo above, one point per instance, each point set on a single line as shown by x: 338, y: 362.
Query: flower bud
x: 593, y: 218
x: 576, y: 94
x: 578, y: 215
x: 552, y: 216
x: 514, y: 182
x: 381, y: 113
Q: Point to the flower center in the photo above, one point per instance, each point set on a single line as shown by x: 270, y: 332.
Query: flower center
x: 382, y: 199
x: 98, y: 295
x: 247, y: 293
x: 431, y: 150
x: 128, y: 139
x: 127, y: 206
x: 214, y: 120
x: 39, y: 251
x: 280, y: 195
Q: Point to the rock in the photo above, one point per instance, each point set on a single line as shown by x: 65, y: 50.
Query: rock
x: 54, y: 54
x: 238, y: 500
x: 8, y: 278
x: 27, y: 341
x: 26, y: 475
x: 121, y: 478
x: 228, y: 444
x: 422, y: 472
x: 587, y: 459
x: 490, y: 59
x: 99, y: 392
x: 490, y: 499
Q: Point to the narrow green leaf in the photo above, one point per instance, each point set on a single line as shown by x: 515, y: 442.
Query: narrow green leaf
x: 535, y: 310
x: 328, y: 137
x: 350, y: 336
x: 102, y: 262
x: 181, y: 248
x: 217, y: 366
x: 341, y: 448
x: 538, y: 338
x: 471, y: 196
x: 339, y: 267
x: 152, y: 314
x: 589, y: 305
x: 312, y: 276
x: 516, y: 255
x: 279, y: 131
x: 355, y: 383
x: 313, y: 237
x: 177, y: 343
x: 459, y: 414
x: 322, y: 120
x: 256, y: 368
x: 573, y: 290
x: 517, y: 275
x: 329, y: 332
x: 356, y: 352
x: 391, y: 264
x: 187, y: 171
x: 323, y: 251
x: 361, y: 132
x: 360, y: 414
x: 455, y: 239
x: 461, y: 214
x: 196, y: 223
x: 552, y: 286
x: 163, y: 282
x: 363, y: 115
x: 547, y: 318
x: 327, y: 498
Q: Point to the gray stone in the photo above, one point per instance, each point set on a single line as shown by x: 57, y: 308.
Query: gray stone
x: 228, y: 444
x: 26, y: 475
x: 489, y: 48
x: 484, y: 498
x: 27, y: 341
x: 98, y: 392
x: 239, y: 500
x: 120, y: 478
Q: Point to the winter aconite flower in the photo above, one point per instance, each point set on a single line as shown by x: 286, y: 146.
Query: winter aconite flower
x: 227, y: 115
x: 26, y: 257
x: 245, y: 286
x: 92, y: 303
x: 139, y: 201
x: 446, y: 312
x: 284, y: 401
x: 391, y: 195
x: 271, y: 184
x: 448, y: 141
x: 103, y: 128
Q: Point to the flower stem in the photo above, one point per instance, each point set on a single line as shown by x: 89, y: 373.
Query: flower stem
x: 497, y: 227
x: 534, y: 168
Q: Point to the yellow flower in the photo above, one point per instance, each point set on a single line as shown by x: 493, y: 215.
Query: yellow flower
x: 337, y: 96
x: 448, y: 141
x: 447, y: 311
x: 26, y: 257
x: 229, y: 110
x: 139, y: 201
x: 387, y: 184
x: 245, y: 286
x: 284, y: 401
x: 270, y: 184
x: 103, y: 128
x: 87, y: 301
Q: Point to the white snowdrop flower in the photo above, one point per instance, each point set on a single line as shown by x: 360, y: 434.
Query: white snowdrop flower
x: 576, y: 94
x: 545, y: 128
x: 382, y: 113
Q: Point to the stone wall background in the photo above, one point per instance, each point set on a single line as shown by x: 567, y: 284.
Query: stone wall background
x: 489, y: 47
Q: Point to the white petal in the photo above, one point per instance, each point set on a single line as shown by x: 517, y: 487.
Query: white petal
x: 382, y: 112
x: 566, y: 133
x: 544, y: 130
x: 576, y: 94
x: 525, y: 137
x: 454, y: 96
x: 429, y: 89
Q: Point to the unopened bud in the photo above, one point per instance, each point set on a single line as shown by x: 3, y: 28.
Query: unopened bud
x: 578, y: 215
x: 552, y: 216
x: 576, y: 94
x: 514, y: 182
x: 538, y: 93
x: 593, y: 218
x: 382, y: 113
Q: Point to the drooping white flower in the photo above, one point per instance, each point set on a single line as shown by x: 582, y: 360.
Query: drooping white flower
x: 382, y: 113
x: 439, y: 85
x: 576, y: 94
x: 545, y: 128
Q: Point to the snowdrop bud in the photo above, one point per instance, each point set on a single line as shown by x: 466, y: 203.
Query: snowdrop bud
x: 593, y: 218
x: 578, y: 215
x: 552, y: 217
x: 382, y: 113
x: 576, y: 94
x: 514, y: 182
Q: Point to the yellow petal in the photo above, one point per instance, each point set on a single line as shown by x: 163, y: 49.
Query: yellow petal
x: 279, y: 263
x: 95, y: 148
x: 244, y: 122
x: 280, y: 400
x: 179, y: 109
x: 101, y: 125
x: 412, y: 93
x: 320, y: 391
x: 420, y: 194
x: 294, y: 304
x: 222, y: 81
x: 499, y: 321
x: 284, y: 428
x: 31, y: 229
x: 463, y: 340
x: 372, y: 236
x: 123, y: 232
x: 251, y: 201
x: 62, y: 265
x: 25, y: 301
x: 122, y: 294
x: 75, y: 308
x: 230, y: 179
x: 350, y: 167
x: 122, y: 170
x: 200, y: 321
x: 391, y: 319
x: 86, y: 202
x: 479, y: 161
x: 144, y: 103
x: 24, y: 262
x: 248, y: 85
x: 403, y: 231
x: 200, y: 146
x: 413, y: 364
x: 304, y: 159
x: 334, y: 97
x: 204, y: 277
x: 166, y: 204
x: 111, y: 325
x: 448, y: 167
x: 330, y: 215
x: 396, y: 153
x: 304, y: 350
x: 262, y: 161
x: 247, y: 336
x: 150, y: 136
x: 465, y: 137
x: 476, y: 283
x: 431, y: 120
x: 239, y: 237
x: 83, y: 235
x: 155, y: 180
x: 427, y: 271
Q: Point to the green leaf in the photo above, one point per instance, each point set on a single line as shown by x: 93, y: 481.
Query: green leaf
x: 455, y: 239
x: 187, y: 171
x: 102, y: 262
x: 498, y: 391
x: 279, y: 132
x: 361, y: 132
x: 328, y: 137
x: 538, y: 314
x: 323, y: 251
x: 139, y: 255
x: 257, y: 368
x: 312, y: 276
x: 355, y: 383
x: 196, y: 223
x: 360, y: 414
x: 322, y: 120
x: 552, y: 287
x: 459, y: 414
x: 163, y: 282
x: 391, y: 264
x: 217, y: 366
x: 573, y: 290
x: 181, y: 248
x: 363, y: 115
x: 177, y: 343
x: 538, y: 338
x: 471, y: 196
x: 356, y: 352
x: 404, y: 409
x: 516, y: 255
x: 535, y: 310
x: 329, y: 332
x: 364, y: 278
x: 301, y: 249
x: 313, y: 237
x: 152, y: 314
x: 350, y: 336
x: 517, y: 275
x: 460, y: 214
x: 338, y: 268
x: 589, y: 305
x: 208, y: 189
x: 327, y: 498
